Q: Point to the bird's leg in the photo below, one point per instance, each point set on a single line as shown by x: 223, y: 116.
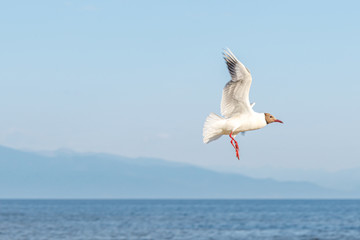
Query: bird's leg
x: 232, y: 140
x: 237, y: 150
x: 236, y: 146
x: 232, y: 143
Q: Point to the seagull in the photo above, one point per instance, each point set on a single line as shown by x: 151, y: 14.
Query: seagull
x: 238, y: 113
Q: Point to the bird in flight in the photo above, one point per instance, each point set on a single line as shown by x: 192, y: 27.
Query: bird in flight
x: 238, y: 113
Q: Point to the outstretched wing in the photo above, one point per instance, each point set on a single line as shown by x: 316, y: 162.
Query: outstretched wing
x: 235, y: 98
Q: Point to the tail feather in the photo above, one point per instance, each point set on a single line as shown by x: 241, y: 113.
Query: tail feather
x: 212, y: 128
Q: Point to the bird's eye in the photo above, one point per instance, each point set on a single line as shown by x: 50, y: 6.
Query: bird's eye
x: 271, y: 116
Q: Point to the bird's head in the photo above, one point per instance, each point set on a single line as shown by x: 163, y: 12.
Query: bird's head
x: 270, y: 118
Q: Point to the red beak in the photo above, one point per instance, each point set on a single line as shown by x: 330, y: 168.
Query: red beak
x: 279, y: 121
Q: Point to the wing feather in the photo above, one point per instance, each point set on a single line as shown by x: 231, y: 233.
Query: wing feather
x: 235, y: 98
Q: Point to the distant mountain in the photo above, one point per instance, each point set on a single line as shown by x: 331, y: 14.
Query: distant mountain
x: 66, y: 174
x: 342, y: 180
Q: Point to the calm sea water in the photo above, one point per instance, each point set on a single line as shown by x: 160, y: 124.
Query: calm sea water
x: 179, y: 219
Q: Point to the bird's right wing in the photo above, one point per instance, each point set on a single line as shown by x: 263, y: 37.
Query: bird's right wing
x: 235, y: 98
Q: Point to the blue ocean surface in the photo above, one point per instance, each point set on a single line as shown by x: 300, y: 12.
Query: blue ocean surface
x: 179, y: 219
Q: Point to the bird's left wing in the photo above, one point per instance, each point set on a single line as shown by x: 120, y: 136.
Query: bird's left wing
x: 235, y: 98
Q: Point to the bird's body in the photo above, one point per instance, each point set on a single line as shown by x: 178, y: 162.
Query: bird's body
x: 238, y: 113
x: 248, y: 122
x: 234, y: 125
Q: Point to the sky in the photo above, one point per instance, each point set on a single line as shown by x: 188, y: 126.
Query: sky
x: 138, y: 78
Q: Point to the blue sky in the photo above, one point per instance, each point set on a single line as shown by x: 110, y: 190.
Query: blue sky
x: 138, y: 78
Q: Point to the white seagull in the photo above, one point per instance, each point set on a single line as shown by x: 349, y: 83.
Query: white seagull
x: 238, y: 113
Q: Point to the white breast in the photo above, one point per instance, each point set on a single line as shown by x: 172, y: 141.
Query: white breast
x: 248, y: 122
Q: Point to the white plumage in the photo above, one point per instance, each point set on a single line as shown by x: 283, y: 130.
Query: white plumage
x: 238, y: 113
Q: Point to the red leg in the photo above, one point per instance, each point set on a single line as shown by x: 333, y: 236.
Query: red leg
x: 232, y: 143
x: 237, y: 154
x: 236, y: 146
x: 232, y: 140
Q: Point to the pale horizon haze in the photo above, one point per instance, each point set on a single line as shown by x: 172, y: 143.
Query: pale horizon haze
x: 138, y: 78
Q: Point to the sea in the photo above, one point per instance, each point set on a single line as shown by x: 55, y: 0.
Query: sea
x: 179, y: 219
